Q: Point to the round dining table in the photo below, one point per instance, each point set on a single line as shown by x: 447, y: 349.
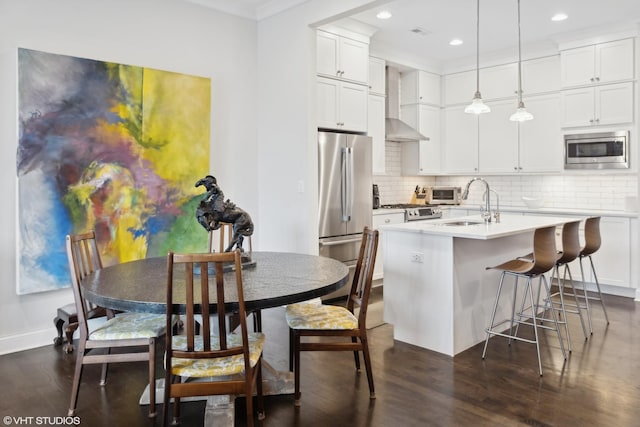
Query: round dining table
x: 272, y: 279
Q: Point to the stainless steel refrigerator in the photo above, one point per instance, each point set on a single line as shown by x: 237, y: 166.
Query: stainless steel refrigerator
x: 345, y: 196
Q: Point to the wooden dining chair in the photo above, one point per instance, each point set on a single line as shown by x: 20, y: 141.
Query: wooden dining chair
x: 319, y: 321
x: 224, y: 363
x: 125, y: 331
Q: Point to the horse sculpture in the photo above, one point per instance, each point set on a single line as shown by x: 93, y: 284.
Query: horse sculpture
x: 214, y: 210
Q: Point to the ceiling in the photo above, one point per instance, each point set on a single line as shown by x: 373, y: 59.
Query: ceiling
x: 442, y: 20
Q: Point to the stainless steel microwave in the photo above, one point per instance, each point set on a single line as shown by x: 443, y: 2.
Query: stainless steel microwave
x: 444, y: 195
x: 603, y: 150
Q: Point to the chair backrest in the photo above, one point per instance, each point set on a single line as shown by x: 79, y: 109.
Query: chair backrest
x: 545, y: 254
x: 592, y: 239
x: 363, y: 275
x: 195, y: 271
x: 221, y: 238
x: 570, y: 242
x: 84, y: 259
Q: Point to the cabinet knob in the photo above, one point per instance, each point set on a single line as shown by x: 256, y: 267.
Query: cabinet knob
x: 515, y: 168
x: 591, y: 121
x: 597, y: 79
x: 592, y: 79
x: 387, y: 220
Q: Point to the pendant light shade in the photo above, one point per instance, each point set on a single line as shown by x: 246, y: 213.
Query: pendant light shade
x: 521, y: 113
x: 477, y: 106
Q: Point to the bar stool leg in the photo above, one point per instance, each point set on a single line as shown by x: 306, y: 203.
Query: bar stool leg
x: 563, y: 311
x: 567, y: 270
x: 493, y: 316
x: 554, y: 316
x: 534, y: 321
x: 604, y: 309
x: 586, y: 297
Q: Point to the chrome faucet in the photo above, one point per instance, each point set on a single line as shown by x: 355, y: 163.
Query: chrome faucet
x: 496, y: 214
x: 486, y: 213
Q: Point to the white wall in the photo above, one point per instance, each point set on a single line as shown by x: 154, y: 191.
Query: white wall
x: 164, y: 34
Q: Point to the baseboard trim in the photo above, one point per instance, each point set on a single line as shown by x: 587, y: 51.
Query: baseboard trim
x: 27, y: 341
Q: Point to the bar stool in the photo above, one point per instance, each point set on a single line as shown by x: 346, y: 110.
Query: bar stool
x: 592, y: 242
x: 544, y: 259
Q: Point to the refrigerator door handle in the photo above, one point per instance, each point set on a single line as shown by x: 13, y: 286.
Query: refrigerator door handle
x: 349, y: 183
x: 344, y: 184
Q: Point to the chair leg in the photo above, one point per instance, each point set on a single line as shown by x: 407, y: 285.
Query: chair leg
x: 563, y: 312
x: 257, y: 321
x: 534, y: 321
x: 68, y: 331
x: 554, y: 315
x: 58, y: 322
x: 248, y: 393
x: 356, y: 355
x: 291, y: 354
x: 367, y: 364
x: 261, y: 414
x: 105, y: 369
x: 296, y: 368
x: 152, y: 377
x: 76, y: 380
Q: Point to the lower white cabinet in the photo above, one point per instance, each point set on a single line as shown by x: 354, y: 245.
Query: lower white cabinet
x: 378, y: 220
x: 341, y: 105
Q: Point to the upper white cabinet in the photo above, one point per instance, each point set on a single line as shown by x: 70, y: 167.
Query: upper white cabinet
x: 420, y: 87
x: 341, y: 105
x: 375, y: 129
x: 599, y: 105
x: 342, y: 57
x: 498, y: 139
x: 499, y: 82
x: 422, y: 157
x: 459, y: 88
x: 377, y: 81
x: 460, y: 150
x: 541, y: 75
x: 541, y: 143
x: 599, y: 63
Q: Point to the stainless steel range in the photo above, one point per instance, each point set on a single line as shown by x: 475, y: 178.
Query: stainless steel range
x: 416, y: 212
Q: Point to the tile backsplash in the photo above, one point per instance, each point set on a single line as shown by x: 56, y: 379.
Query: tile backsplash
x: 616, y: 191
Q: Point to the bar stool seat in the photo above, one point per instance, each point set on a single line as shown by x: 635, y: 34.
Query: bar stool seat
x: 544, y: 259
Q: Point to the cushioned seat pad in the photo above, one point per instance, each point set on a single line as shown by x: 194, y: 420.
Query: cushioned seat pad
x: 319, y: 316
x: 220, y: 366
x: 130, y: 326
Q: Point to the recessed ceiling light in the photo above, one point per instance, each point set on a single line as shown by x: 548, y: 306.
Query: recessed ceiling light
x: 559, y: 17
x: 385, y: 14
x: 456, y: 42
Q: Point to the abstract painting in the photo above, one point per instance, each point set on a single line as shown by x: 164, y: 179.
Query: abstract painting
x: 107, y: 147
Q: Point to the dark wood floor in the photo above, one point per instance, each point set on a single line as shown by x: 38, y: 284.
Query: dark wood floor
x: 599, y: 385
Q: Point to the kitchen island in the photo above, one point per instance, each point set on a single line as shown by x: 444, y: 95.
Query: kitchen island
x: 437, y: 292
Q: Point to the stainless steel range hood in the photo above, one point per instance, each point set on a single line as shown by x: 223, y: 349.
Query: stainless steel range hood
x: 395, y: 129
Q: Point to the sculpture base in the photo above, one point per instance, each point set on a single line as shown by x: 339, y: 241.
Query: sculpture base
x: 246, y: 260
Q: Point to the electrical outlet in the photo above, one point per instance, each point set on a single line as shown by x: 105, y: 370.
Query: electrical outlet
x: 417, y: 257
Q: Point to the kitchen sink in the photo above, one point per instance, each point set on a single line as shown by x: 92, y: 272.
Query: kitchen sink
x: 461, y: 223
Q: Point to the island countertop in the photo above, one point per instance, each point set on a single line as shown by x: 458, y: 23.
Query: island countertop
x: 509, y: 225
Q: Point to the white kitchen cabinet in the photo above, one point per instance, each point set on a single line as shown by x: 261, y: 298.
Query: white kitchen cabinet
x: 498, y: 139
x: 499, y: 82
x: 376, y: 129
x: 377, y: 76
x: 378, y: 220
x: 459, y: 88
x: 541, y: 75
x: 420, y: 87
x: 342, y: 57
x: 597, y: 105
x: 599, y: 63
x: 612, y: 261
x: 341, y: 105
x: 541, y: 144
x: 422, y: 157
x: 461, y: 146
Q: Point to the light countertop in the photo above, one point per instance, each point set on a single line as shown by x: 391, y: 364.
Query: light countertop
x: 509, y: 225
x: 550, y: 211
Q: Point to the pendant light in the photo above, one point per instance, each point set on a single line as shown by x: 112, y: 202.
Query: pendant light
x: 477, y: 106
x: 521, y: 113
